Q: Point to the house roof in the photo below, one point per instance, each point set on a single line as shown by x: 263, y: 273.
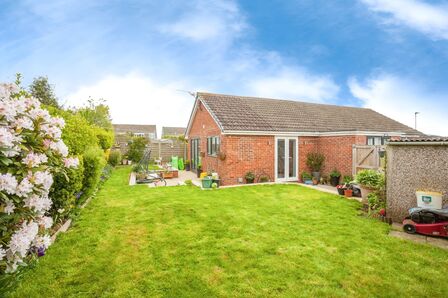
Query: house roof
x: 172, y: 131
x: 240, y: 113
x: 134, y: 128
x: 420, y: 140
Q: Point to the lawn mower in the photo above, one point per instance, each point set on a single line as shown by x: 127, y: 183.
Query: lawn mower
x: 432, y: 222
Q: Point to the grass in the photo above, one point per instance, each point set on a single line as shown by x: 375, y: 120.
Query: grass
x: 271, y: 240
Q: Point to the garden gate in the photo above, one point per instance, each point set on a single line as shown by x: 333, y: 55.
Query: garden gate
x: 367, y: 157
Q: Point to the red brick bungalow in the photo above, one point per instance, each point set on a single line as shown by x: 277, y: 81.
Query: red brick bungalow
x: 232, y: 135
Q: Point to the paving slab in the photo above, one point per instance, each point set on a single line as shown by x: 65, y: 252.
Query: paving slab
x: 439, y: 242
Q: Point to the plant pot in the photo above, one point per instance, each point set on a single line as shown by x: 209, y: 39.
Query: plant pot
x: 365, y: 192
x: 316, y: 175
x: 348, y: 193
x: 187, y: 167
x: 222, y: 156
x: 334, y: 181
x: 207, y: 182
x: 198, y: 172
x: 315, y: 181
x: 249, y: 181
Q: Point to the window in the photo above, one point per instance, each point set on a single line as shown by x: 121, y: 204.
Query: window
x: 375, y: 141
x: 212, y: 146
x: 139, y: 134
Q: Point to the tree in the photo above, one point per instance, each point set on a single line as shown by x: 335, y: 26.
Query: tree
x: 43, y: 91
x: 136, y: 148
x: 97, y: 113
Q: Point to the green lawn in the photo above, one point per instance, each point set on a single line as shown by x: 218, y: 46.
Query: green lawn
x: 272, y: 240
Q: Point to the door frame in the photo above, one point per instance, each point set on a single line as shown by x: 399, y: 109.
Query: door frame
x: 287, y: 178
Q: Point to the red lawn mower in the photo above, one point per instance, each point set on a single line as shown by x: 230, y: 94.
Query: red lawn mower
x: 432, y: 222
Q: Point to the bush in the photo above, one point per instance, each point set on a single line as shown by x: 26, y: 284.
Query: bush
x: 188, y: 182
x: 347, y: 179
x: 315, y: 161
x: 250, y: 177
x: 306, y: 176
x: 105, y: 137
x: 370, y: 179
x: 114, y: 158
x: 335, y: 174
x: 263, y: 179
x: 64, y: 191
x: 31, y: 155
x: 94, y: 163
x: 136, y: 148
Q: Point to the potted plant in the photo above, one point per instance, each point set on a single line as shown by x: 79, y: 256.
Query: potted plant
x: 250, y: 177
x: 263, y: 179
x: 199, y: 170
x: 221, y: 155
x: 348, y: 192
x: 315, y: 181
x: 347, y: 179
x: 207, y: 182
x: 335, y: 176
x: 307, y: 178
x: 368, y: 181
x: 187, y: 165
x: 341, y: 188
x: 315, y: 162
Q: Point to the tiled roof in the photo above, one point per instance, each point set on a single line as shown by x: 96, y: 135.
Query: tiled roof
x: 240, y: 113
x: 422, y: 140
x: 134, y: 128
x: 172, y: 131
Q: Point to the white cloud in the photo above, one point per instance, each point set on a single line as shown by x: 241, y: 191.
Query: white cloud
x: 208, y: 20
x: 136, y: 99
x: 295, y: 83
x: 430, y: 19
x: 398, y: 98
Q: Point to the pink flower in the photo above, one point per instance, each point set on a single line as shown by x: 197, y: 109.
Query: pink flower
x: 8, y: 183
x: 24, y: 188
x: 34, y: 159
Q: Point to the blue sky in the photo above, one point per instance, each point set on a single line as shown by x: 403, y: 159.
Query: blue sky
x: 391, y: 56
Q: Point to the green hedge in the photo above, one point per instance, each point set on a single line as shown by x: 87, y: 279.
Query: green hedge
x: 94, y: 162
x: 114, y: 158
x: 64, y: 191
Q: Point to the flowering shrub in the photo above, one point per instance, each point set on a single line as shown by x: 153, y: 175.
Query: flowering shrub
x: 31, y: 152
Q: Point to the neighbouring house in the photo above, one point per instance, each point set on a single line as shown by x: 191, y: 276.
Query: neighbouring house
x: 235, y: 134
x: 125, y: 132
x: 172, y: 131
x: 412, y: 165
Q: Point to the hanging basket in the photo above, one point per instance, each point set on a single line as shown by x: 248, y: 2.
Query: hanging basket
x: 222, y: 156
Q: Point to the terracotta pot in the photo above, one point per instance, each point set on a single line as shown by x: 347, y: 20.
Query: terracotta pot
x: 315, y: 181
x: 348, y: 193
x: 222, y: 156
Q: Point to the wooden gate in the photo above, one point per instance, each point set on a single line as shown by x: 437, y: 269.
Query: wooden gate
x: 366, y: 157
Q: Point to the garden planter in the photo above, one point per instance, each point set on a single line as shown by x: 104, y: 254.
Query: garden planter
x: 334, y: 181
x: 365, y: 191
x: 187, y: 167
x: 167, y: 175
x: 175, y: 174
x: 207, y: 182
x: 316, y: 175
x: 348, y: 193
x: 315, y: 181
x: 249, y: 181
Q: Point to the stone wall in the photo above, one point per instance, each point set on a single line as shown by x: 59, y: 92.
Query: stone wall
x: 410, y: 168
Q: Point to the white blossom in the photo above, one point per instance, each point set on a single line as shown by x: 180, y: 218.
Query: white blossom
x: 59, y: 147
x: 43, y: 178
x: 71, y: 162
x: 24, y: 123
x: 25, y: 187
x: 8, y: 183
x: 2, y: 253
x: 21, y: 240
x: 8, y: 110
x: 34, y: 159
x: 38, y: 113
x: 46, y: 221
x: 42, y: 241
x: 7, y: 137
x: 57, y: 121
x: 38, y: 203
x: 9, y: 208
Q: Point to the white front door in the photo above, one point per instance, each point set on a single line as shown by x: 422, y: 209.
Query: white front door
x: 286, y: 161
